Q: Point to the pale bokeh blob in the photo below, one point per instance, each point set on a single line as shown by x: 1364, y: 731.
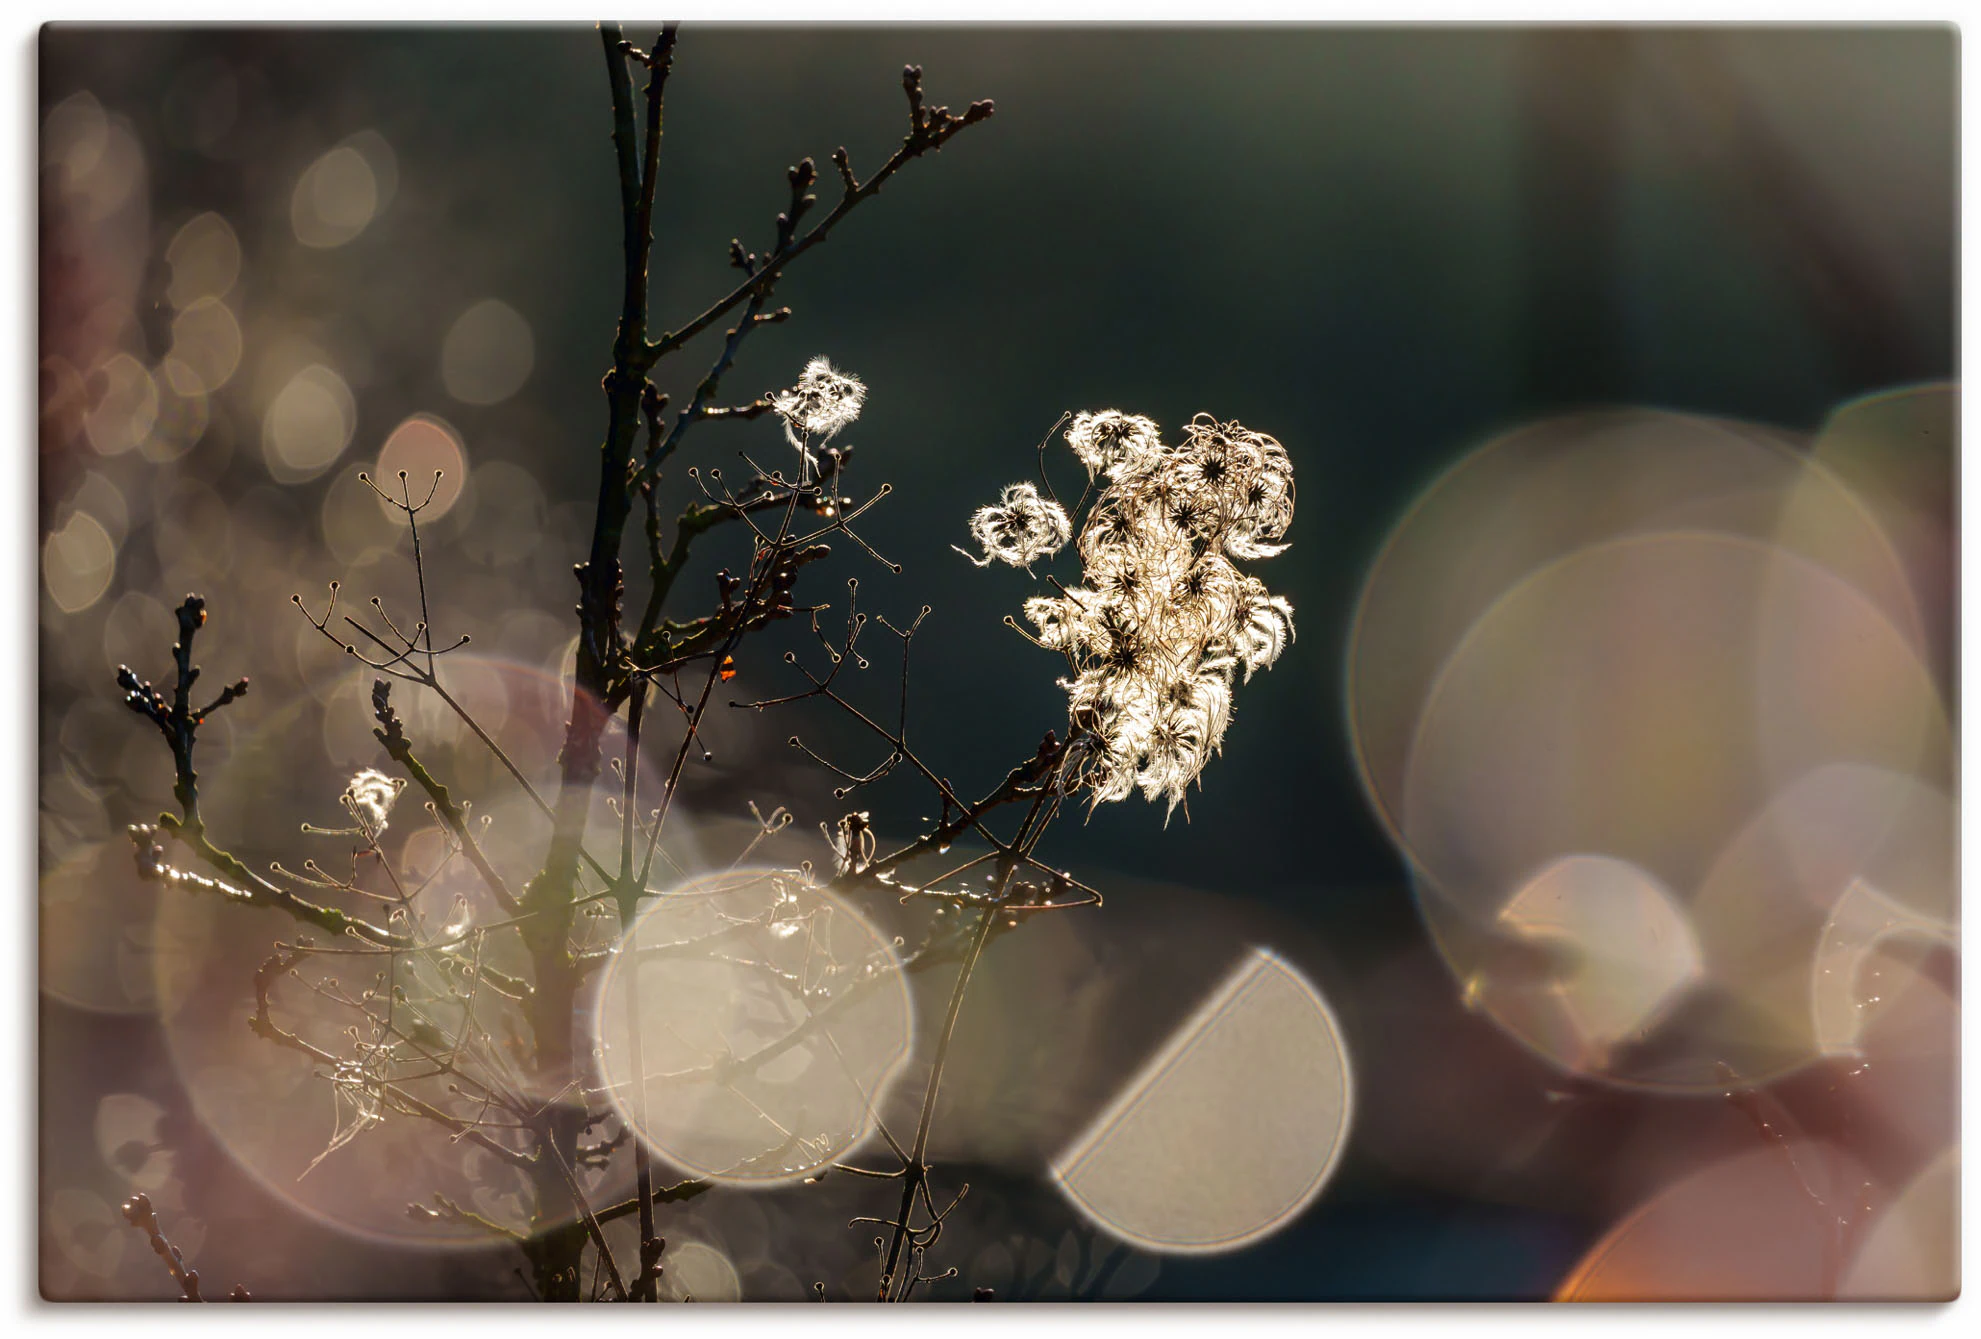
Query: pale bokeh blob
x: 487, y: 354
x: 100, y: 164
x: 128, y: 969
x: 1623, y: 952
x: 510, y: 512
x: 137, y: 629
x: 1642, y: 700
x: 193, y: 532
x: 74, y: 137
x: 1230, y: 1129
x: 339, y: 194
x: 422, y: 446
x: 1834, y: 866
x: 275, y: 1113
x: 355, y: 523
x: 772, y: 1018
x: 698, y: 1272
x: 1896, y: 451
x: 128, y: 1138
x: 308, y: 424
x: 78, y: 561
x: 205, y: 256
x: 1548, y: 490
x: 1913, y: 1251
x: 86, y: 1229
x: 206, y: 341
x: 124, y: 408
x: 1775, y: 1222
x: 183, y: 412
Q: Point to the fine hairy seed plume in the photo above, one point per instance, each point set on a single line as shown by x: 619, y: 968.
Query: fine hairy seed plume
x: 1020, y: 528
x: 1162, y: 620
x: 824, y: 401
x: 371, y: 794
x: 1111, y: 440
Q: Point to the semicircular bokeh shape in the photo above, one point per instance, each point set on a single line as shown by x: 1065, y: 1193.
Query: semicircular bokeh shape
x: 1230, y: 1129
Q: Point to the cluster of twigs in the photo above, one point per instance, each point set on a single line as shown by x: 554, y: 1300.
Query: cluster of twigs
x: 419, y: 1042
x: 1019, y: 885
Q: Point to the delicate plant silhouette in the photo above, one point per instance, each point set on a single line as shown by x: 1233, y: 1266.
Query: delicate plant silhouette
x: 432, y: 998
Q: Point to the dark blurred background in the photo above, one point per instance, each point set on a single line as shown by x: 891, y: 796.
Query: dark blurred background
x: 1381, y: 246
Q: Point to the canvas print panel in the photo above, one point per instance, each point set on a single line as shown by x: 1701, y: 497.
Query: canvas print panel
x: 713, y: 663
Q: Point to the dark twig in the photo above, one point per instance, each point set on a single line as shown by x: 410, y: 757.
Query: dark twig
x: 929, y: 128
x: 139, y: 1214
x: 179, y: 723
x: 392, y: 735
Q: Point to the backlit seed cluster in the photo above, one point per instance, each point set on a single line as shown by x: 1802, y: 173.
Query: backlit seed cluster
x: 1163, y: 621
x: 824, y: 401
x: 369, y: 798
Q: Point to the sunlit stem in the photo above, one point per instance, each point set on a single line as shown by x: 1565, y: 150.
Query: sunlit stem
x: 916, y: 1171
x: 629, y: 887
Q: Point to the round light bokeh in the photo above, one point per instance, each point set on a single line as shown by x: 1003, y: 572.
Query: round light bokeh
x: 772, y: 1019
x: 184, y: 413
x: 308, y: 424
x: 1548, y: 490
x: 1896, y: 452
x: 1843, y: 861
x: 1603, y: 679
x: 1591, y: 952
x: 276, y: 1112
x: 487, y: 354
x: 341, y: 193
x: 136, y: 966
x: 308, y: 1142
x: 273, y: 1111
x: 422, y: 447
x: 1912, y: 1253
x: 126, y: 410
x: 1230, y: 1129
x: 205, y: 256
x: 510, y: 512
x: 1762, y: 1226
x: 694, y: 1271
x: 99, y: 162
x: 78, y: 561
x: 206, y: 344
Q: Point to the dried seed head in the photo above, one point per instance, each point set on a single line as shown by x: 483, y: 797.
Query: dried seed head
x: 370, y: 797
x: 1110, y: 441
x: 1163, y: 620
x: 824, y: 401
x: 1020, y: 528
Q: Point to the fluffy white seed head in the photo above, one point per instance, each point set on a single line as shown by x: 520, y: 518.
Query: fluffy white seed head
x: 370, y: 797
x: 1264, y: 630
x: 1242, y: 481
x: 824, y: 401
x: 1020, y: 528
x: 1163, y: 620
x: 1188, y: 726
x: 1109, y: 441
x: 1060, y: 624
